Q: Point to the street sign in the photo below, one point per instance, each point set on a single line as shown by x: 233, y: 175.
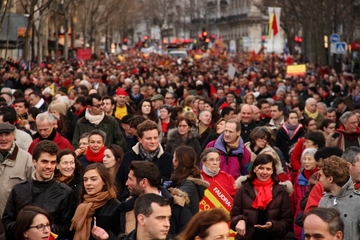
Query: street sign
x: 338, y: 48
x: 334, y: 38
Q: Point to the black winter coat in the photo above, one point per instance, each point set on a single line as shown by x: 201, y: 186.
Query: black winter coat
x: 283, y: 142
x: 163, y: 161
x: 108, y: 218
x: 54, y: 197
x: 175, y: 140
x: 278, y: 212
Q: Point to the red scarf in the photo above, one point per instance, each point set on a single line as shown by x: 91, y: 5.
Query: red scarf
x: 349, y: 136
x: 309, y: 173
x: 264, y: 196
x: 95, y: 157
x: 265, y: 116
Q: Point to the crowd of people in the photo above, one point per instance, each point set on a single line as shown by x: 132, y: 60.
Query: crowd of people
x: 111, y: 149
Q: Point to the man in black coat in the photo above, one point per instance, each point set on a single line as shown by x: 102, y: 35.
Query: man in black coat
x: 147, y: 149
x: 144, y: 178
x: 43, y: 191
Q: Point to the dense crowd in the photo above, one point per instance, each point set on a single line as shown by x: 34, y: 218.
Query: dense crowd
x: 124, y: 148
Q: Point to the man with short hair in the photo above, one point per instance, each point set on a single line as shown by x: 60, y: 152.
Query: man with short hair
x: 109, y: 106
x: 98, y: 85
x: 347, y: 135
x: 352, y: 156
x: 340, y: 106
x: 44, y: 191
x: 204, y: 128
x: 45, y: 123
x: 147, y: 149
x: 79, y: 106
x: 14, y: 162
x: 22, y: 107
x: 311, y: 111
x: 321, y: 107
x: 135, y: 94
x: 340, y: 193
x: 152, y: 213
x: 144, y: 178
x: 277, y: 117
x: 323, y: 223
x: 263, y: 92
x: 95, y: 118
x: 234, y: 157
x: 246, y: 119
x: 256, y: 114
x: 122, y: 108
x: 227, y: 113
x: 37, y: 101
x: 265, y: 113
x: 170, y: 99
x: 330, y: 113
x: 27, y: 93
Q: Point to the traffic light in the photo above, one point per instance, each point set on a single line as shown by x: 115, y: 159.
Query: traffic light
x: 298, y: 40
x: 204, y: 34
x: 207, y: 40
x: 125, y: 40
x: 263, y: 40
x: 146, y: 38
x: 212, y: 36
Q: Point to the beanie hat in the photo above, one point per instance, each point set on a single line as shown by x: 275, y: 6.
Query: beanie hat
x: 121, y: 91
x: 59, y: 107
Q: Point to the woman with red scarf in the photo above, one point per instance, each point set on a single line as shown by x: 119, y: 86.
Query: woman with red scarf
x: 95, y: 151
x: 261, y: 208
x: 301, y: 183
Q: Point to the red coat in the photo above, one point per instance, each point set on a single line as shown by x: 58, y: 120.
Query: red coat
x: 59, y: 140
x: 295, y: 157
x: 314, y: 197
x: 224, y: 179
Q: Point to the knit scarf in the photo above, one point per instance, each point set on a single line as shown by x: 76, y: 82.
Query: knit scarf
x: 64, y: 179
x: 146, y: 155
x: 81, y: 221
x: 94, y: 119
x: 312, y: 115
x: 209, y: 172
x: 309, y: 173
x: 291, y: 129
x: 264, y: 196
x: 3, y: 157
x: 95, y: 157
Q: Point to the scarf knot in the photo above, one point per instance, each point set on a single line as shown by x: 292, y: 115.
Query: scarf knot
x: 82, y: 219
x: 146, y: 155
x: 264, y: 196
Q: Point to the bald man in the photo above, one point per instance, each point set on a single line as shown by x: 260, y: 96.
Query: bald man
x: 245, y: 115
x: 256, y: 114
x: 311, y: 111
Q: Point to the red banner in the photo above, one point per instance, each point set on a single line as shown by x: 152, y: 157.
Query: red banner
x: 83, y: 53
x: 216, y: 197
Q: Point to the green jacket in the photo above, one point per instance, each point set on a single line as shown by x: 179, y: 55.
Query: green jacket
x: 109, y: 125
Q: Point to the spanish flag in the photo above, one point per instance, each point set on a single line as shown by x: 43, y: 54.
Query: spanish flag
x: 273, y: 26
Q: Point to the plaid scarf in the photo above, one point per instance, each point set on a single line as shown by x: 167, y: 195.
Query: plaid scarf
x: 148, y: 156
x: 3, y: 158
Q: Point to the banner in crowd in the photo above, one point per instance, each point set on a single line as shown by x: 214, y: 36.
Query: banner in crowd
x: 83, y: 53
x: 216, y: 197
x: 296, y: 70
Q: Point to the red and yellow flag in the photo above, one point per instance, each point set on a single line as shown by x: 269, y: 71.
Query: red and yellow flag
x: 273, y: 26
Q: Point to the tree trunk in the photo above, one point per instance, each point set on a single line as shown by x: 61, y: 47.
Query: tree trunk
x: 66, y: 36
x: 26, y: 50
x: 56, y: 37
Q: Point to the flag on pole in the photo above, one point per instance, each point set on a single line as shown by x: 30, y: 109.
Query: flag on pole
x: 273, y: 24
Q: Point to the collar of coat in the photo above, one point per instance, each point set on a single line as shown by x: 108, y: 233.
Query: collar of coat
x: 137, y: 150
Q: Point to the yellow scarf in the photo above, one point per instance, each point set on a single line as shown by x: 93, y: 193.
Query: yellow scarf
x: 202, y: 128
x: 312, y: 115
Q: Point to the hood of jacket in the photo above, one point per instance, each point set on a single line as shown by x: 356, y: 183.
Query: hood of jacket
x: 174, y: 136
x: 180, y: 198
x: 221, y: 145
x: 136, y: 150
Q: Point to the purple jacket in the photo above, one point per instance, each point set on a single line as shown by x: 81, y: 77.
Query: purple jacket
x: 230, y: 160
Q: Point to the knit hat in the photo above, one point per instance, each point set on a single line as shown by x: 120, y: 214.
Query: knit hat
x: 121, y: 91
x: 59, y: 107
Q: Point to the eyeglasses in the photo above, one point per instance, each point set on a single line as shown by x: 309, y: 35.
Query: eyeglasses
x: 41, y: 227
x: 353, y: 123
x: 99, y: 105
